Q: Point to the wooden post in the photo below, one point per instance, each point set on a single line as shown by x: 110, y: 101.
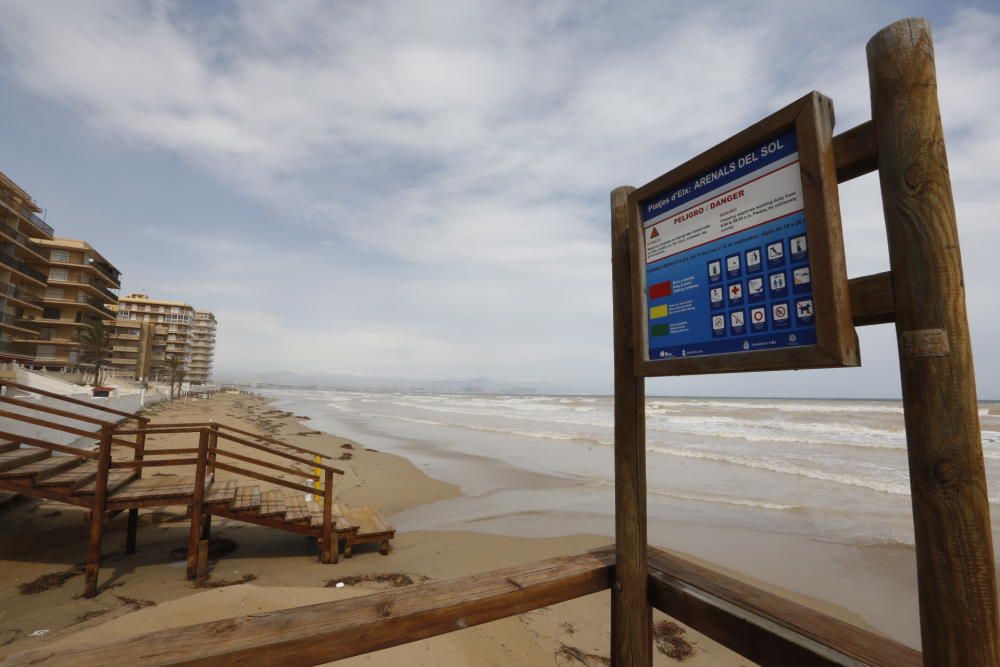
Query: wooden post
x: 133, y: 514
x: 197, y: 504
x: 951, y: 514
x: 97, y: 511
x: 213, y: 444
x: 328, y: 550
x: 631, y: 615
x: 202, y: 560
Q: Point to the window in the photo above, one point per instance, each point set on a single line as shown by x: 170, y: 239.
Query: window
x: 51, y: 314
x: 54, y: 293
x: 60, y: 256
x: 58, y: 274
x: 46, y: 350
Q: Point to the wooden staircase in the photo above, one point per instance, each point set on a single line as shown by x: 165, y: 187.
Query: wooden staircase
x: 89, y: 478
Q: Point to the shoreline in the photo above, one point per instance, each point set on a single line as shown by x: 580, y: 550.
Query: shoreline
x: 147, y: 591
x: 869, y: 584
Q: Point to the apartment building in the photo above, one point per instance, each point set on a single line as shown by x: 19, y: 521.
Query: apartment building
x: 22, y: 282
x: 170, y: 325
x: 202, y: 342
x: 78, y: 293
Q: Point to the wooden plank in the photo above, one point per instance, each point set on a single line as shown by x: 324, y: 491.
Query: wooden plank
x: 116, y: 480
x: 148, y: 488
x: 221, y: 491
x: 856, y: 152
x: 296, y: 510
x: 42, y: 444
x: 956, y: 576
x: 272, y: 502
x: 252, y: 474
x: 73, y: 477
x: 22, y: 456
x: 872, y: 301
x: 341, y: 524
x: 335, y: 630
x: 247, y: 498
x: 47, y: 466
x: 8, y: 446
x: 300, y: 472
x: 38, y: 407
x: 631, y: 615
x: 761, y: 626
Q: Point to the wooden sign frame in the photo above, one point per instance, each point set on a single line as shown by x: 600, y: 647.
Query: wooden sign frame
x: 811, y: 117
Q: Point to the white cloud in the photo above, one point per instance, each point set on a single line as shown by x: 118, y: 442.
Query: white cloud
x: 446, y: 165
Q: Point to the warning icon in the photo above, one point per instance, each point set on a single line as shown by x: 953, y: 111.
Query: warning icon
x: 779, y: 315
x: 804, y: 311
x: 718, y: 326
x: 797, y: 246
x: 655, y: 234
x: 736, y: 322
x: 715, y: 271
x: 735, y: 293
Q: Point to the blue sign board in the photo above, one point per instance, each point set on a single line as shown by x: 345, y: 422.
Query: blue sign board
x: 727, y: 259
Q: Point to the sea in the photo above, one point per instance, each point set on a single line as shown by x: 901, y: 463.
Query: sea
x: 828, y: 469
x: 808, y: 495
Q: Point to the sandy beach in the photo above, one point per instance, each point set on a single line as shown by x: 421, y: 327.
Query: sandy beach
x: 41, y: 544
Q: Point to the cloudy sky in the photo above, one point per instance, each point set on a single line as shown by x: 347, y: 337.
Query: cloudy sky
x: 421, y: 189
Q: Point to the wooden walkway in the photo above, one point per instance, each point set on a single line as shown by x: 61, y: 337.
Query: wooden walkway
x: 106, y: 485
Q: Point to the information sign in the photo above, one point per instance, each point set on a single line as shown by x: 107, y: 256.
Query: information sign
x: 729, y: 247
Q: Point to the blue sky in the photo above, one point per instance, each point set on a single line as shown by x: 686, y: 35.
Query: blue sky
x: 421, y: 189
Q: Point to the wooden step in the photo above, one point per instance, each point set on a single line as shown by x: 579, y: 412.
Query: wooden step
x: 19, y: 457
x: 247, y: 498
x: 223, y: 491
x: 340, y: 524
x: 73, y: 477
x: 116, y: 480
x: 368, y: 520
x: 272, y: 502
x: 296, y: 510
x: 9, y: 446
x: 165, y: 486
x: 42, y: 468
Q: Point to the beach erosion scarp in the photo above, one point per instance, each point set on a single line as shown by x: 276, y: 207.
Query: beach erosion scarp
x: 255, y: 570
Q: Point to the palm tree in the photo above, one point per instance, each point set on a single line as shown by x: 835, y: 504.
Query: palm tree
x: 175, y: 369
x: 95, y: 346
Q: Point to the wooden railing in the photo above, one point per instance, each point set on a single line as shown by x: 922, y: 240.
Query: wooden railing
x: 204, y: 459
x: 758, y: 624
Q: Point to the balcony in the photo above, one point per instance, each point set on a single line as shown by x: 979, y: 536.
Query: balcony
x: 13, y: 262
x: 114, y: 275
x: 30, y: 216
x: 109, y: 296
x: 22, y: 297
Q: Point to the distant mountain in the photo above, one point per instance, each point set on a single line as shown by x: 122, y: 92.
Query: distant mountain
x: 478, y: 385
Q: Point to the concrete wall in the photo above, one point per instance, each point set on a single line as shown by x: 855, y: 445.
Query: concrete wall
x: 130, y: 402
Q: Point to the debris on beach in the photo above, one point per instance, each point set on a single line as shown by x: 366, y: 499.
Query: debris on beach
x: 347, y: 445
x: 394, y: 579
x: 670, y: 640
x: 567, y: 654
x: 221, y: 583
x: 50, y: 580
x: 135, y: 603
